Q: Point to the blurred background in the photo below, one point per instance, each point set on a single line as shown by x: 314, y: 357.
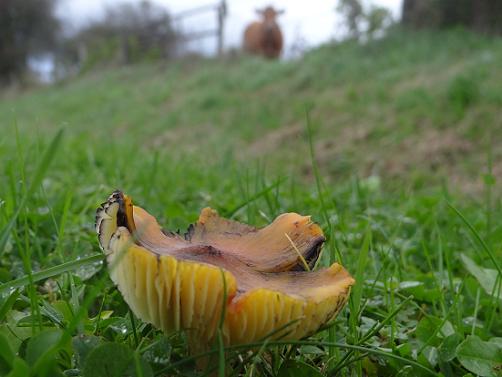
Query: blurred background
x: 55, y: 38
x: 407, y: 90
x: 373, y: 116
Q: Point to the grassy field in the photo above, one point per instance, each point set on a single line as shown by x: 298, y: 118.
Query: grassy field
x: 394, y: 148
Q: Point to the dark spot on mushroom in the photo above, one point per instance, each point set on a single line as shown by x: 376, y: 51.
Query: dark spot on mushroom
x: 169, y: 233
x: 121, y: 217
x: 213, y: 251
x: 188, y: 234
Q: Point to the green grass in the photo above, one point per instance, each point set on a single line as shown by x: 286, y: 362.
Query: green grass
x: 398, y: 159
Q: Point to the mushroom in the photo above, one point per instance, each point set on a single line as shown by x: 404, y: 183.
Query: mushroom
x: 250, y: 283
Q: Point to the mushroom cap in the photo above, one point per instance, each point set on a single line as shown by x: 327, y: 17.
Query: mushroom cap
x: 221, y: 274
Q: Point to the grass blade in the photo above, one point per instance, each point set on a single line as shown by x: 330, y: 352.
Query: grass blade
x: 370, y: 350
x: 475, y: 233
x: 40, y: 171
x: 50, y: 272
x: 258, y: 195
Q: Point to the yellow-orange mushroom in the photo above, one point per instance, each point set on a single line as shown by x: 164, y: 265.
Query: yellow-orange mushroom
x: 178, y: 282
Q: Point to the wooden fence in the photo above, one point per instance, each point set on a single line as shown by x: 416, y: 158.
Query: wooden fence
x: 220, y: 11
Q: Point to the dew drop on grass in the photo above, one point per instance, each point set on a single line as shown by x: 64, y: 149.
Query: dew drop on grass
x: 159, y: 353
x: 43, y: 210
x: 121, y: 329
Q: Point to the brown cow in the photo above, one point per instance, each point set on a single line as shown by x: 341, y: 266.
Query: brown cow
x: 264, y: 37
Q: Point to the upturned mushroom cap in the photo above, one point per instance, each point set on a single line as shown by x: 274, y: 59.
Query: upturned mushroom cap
x: 179, y: 282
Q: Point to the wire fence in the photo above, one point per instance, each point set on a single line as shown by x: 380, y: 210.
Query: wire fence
x: 217, y: 31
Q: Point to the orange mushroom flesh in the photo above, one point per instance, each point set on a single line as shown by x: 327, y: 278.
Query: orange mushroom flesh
x: 178, y: 282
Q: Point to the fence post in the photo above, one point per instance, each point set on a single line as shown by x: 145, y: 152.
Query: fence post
x: 222, y: 13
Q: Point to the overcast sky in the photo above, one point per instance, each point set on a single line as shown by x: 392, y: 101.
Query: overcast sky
x: 312, y: 21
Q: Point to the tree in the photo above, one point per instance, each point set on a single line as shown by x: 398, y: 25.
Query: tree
x: 352, y: 11
x: 363, y: 20
x: 480, y: 15
x: 128, y: 33
x: 144, y: 29
x: 378, y: 19
x: 421, y: 14
x: 27, y: 28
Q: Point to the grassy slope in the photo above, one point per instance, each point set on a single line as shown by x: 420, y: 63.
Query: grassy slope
x: 416, y: 103
x: 400, y: 126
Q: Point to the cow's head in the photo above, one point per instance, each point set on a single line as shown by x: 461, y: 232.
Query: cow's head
x: 269, y: 15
